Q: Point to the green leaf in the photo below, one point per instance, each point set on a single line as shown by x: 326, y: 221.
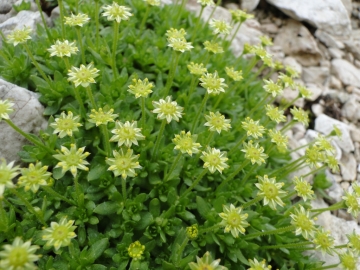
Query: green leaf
x: 96, y: 172
x: 202, y: 206
x: 97, y: 267
x: 146, y: 220
x: 97, y: 249
x: 107, y: 208
x: 168, y: 266
x: 154, y: 207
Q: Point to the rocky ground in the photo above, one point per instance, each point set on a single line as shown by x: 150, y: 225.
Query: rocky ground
x: 319, y: 39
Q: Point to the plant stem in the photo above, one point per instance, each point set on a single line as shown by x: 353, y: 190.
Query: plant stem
x: 36, y: 64
x: 237, y: 145
x: 57, y: 195
x: 326, y: 267
x: 335, y: 206
x: 43, y: 20
x: 287, y: 126
x: 80, y: 44
x: 106, y: 142
x: 29, y: 206
x: 314, y: 171
x: 114, y: 47
x: 199, y: 112
x: 61, y: 9
x: 191, y: 89
x: 123, y: 186
x: 67, y: 63
x: 291, y: 102
x: 4, y: 220
x: 145, y: 18
x: 159, y: 137
x: 81, y: 103
x: 79, y: 195
x: 289, y: 195
x: 197, y: 24
x: 209, y: 229
x: 292, y: 245
x: 170, y: 78
x: 277, y: 231
x: 231, y: 176
x: 287, y: 166
x: 234, y: 35
x: 260, y: 103
x: 213, y: 11
x: 173, y: 166
x: 97, y: 25
x: 91, y: 97
x: 253, y: 201
x: 207, y: 143
x: 194, y: 184
x: 28, y: 137
x: 143, y: 113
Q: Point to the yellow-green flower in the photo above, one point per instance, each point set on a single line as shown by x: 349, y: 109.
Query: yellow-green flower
x: 167, y: 109
x: 233, y: 220
x: 206, y: 263
x: 270, y: 191
x: 77, y: 20
x: 324, y: 241
x: 192, y: 231
x: 212, y: 83
x: 258, y: 265
x: 240, y: 16
x: 214, y: 160
x: 275, y: 114
x: 332, y: 163
x: 72, y: 159
x: 5, y: 109
x: 19, y: 36
x: 354, y: 241
x: 303, y: 223
x: 34, y: 177
x: 253, y: 128
x: 66, y: 124
x: 278, y: 138
x: 314, y: 156
x: 273, y: 88
x: 213, y: 47
x: 304, y: 92
x: 352, y: 202
x: 141, y: 88
x: 153, y: 2
x: 83, y: 75
x: 126, y: 133
x: 217, y: 122
x: 123, y: 164
x: 196, y: 69
x: 287, y: 80
x: 349, y: 260
x: 265, y: 41
x: 208, y: 3
x: 116, y: 12
x: 303, y: 189
x: 186, y: 143
x: 254, y: 153
x: 136, y: 250
x: 59, y: 234
x: 179, y: 44
x: 220, y: 26
x: 300, y: 115
x: 175, y: 33
x: 62, y: 49
x: 102, y: 118
x: 291, y: 72
x: 234, y: 74
x: 7, y: 173
x: 324, y: 144
x: 19, y: 255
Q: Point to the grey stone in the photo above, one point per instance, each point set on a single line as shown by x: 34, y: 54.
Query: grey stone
x: 346, y: 72
x: 348, y: 167
x: 270, y: 28
x: 350, y: 109
x: 27, y: 115
x: 6, y: 5
x: 296, y: 41
x: 335, y: 83
x: 325, y: 125
x: 317, y: 75
x: 317, y: 109
x: 249, y: 5
x: 336, y: 53
x: 353, y: 47
x: 348, y: 6
x: 327, y: 15
x: 316, y: 90
x: 328, y: 40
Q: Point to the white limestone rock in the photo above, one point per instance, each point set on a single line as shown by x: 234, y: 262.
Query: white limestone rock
x: 346, y: 72
x: 27, y: 115
x: 350, y: 110
x: 249, y: 5
x: 325, y: 125
x: 348, y: 167
x: 296, y: 41
x: 328, y: 40
x: 317, y: 75
x: 23, y: 18
x: 327, y: 15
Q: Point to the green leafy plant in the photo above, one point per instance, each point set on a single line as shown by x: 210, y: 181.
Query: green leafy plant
x: 160, y: 153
